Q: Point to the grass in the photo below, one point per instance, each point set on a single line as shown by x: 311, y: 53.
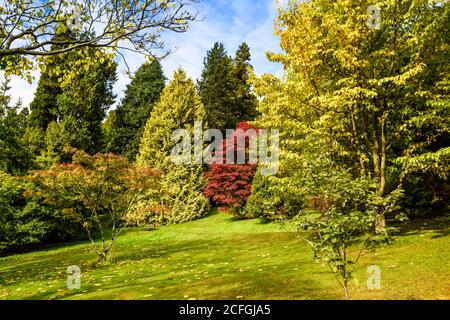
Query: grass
x: 218, y: 258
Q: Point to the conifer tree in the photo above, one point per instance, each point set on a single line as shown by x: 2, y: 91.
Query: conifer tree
x: 44, y: 107
x: 216, y: 88
x: 182, y: 185
x: 225, y: 89
x: 84, y: 102
x: 15, y: 157
x: 77, y: 107
x: 129, y: 119
x: 244, y: 101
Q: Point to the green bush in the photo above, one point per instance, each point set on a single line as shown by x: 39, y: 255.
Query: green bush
x: 272, y: 199
x: 25, y: 220
x: 426, y: 195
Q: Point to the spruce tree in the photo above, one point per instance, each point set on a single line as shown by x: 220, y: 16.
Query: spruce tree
x: 216, y: 88
x: 44, y: 107
x: 245, y: 101
x: 182, y: 185
x: 129, y: 119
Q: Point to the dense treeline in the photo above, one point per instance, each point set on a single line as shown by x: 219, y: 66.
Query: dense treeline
x: 70, y: 110
x: 363, y: 114
x: 369, y: 101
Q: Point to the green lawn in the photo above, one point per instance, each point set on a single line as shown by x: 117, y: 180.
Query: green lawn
x: 218, y: 258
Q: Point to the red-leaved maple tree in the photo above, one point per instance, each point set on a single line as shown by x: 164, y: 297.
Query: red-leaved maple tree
x: 230, y: 185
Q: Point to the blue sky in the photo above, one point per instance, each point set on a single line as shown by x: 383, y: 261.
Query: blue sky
x: 228, y: 21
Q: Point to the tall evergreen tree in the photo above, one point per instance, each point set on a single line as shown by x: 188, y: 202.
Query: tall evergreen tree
x: 216, y: 88
x: 245, y: 101
x: 44, y: 107
x: 128, y: 121
x: 178, y: 108
x: 15, y: 157
x: 84, y: 102
x: 182, y: 185
x: 76, y: 107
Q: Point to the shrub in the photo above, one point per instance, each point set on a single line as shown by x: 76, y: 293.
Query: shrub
x: 272, y: 199
x: 25, y: 220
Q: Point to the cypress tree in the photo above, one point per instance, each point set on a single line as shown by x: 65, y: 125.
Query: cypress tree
x: 182, y: 185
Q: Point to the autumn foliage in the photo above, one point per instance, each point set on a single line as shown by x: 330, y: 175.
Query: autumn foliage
x: 230, y: 185
x: 98, y: 192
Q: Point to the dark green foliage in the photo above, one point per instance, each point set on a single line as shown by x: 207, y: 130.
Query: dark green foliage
x: 216, y: 89
x: 26, y: 220
x: 15, y: 157
x: 44, y: 107
x: 126, y: 124
x: 244, y: 101
x: 72, y: 101
x: 83, y: 105
x: 224, y: 87
x: 426, y: 196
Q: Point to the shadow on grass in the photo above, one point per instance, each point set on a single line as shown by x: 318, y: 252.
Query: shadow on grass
x: 224, y: 280
x: 440, y: 226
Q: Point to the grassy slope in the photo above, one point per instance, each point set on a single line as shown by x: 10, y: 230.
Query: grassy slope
x: 217, y: 258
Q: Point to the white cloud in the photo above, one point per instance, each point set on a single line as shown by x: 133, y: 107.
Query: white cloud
x: 243, y: 26
x: 21, y: 89
x: 244, y: 21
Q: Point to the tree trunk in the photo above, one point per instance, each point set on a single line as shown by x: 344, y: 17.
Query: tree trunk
x: 376, y: 154
x: 358, y: 146
x: 347, y: 296
x: 381, y: 223
x: 379, y: 169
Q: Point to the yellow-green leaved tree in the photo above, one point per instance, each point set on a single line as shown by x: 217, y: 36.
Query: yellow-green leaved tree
x: 364, y: 78
x: 182, y: 192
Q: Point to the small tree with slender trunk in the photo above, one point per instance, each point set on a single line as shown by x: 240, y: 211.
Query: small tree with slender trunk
x: 97, y: 192
x: 348, y: 211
